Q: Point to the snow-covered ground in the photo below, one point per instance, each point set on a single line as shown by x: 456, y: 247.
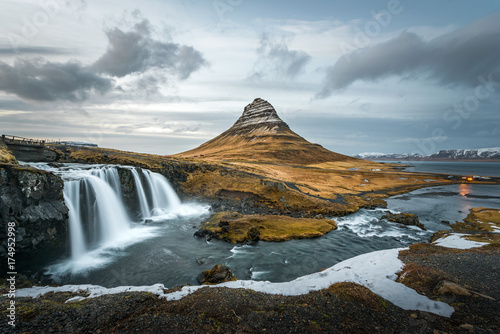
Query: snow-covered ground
x: 457, y: 240
x: 377, y: 271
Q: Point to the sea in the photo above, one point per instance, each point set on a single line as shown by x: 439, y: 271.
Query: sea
x: 170, y: 254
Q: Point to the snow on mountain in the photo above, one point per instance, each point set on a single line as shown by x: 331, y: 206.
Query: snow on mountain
x: 468, y: 154
x: 458, y: 154
x: 388, y: 156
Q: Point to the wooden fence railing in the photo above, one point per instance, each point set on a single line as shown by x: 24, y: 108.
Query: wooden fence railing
x: 9, y: 139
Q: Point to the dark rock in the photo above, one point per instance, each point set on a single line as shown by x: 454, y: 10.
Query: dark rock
x: 253, y: 235
x: 224, y: 225
x: 129, y: 190
x: 273, y: 184
x: 404, y: 218
x: 201, y: 233
x: 55, y: 164
x: 220, y: 273
x: 446, y: 287
x: 201, y: 260
x: 33, y: 201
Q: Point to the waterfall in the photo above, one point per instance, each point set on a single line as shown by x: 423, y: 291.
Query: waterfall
x: 143, y: 201
x: 95, y: 207
x: 110, y: 175
x: 163, y: 196
x: 110, y: 209
x: 97, y: 211
x: 72, y: 190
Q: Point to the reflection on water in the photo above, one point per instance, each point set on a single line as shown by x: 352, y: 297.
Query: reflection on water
x: 464, y: 189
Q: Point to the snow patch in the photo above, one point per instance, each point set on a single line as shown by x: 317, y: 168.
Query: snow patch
x: 376, y: 271
x: 458, y: 241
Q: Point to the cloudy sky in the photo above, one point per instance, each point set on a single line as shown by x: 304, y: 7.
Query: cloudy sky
x: 163, y: 76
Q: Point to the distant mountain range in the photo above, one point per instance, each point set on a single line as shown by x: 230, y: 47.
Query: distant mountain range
x: 460, y: 154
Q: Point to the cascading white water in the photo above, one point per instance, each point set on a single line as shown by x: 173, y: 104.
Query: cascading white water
x: 93, y: 206
x: 141, y: 194
x: 99, y: 226
x: 110, y: 175
x: 97, y: 213
x: 72, y: 190
x: 163, y: 196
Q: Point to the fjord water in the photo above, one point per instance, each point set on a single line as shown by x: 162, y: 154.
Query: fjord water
x: 480, y: 168
x: 165, y: 250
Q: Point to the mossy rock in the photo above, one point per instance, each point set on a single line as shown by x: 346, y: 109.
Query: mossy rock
x: 220, y: 273
x: 237, y: 228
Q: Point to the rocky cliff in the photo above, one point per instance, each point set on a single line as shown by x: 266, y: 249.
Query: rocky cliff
x: 33, y: 200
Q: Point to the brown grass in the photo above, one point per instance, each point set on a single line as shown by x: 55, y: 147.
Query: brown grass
x: 327, y: 182
x: 360, y: 294
x: 311, y: 189
x: 237, y: 186
x: 264, y: 145
x: 420, y: 278
x: 6, y: 156
x: 479, y: 219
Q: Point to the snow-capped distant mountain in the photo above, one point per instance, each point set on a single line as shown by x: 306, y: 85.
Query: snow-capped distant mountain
x: 460, y: 154
x: 468, y: 154
x: 389, y: 156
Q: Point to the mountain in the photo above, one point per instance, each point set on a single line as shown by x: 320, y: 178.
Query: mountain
x: 389, y: 156
x: 259, y: 135
x: 468, y: 154
x: 459, y: 154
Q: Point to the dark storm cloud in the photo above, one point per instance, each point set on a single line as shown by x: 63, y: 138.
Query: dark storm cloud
x: 134, y: 52
x: 45, y: 81
x: 456, y: 58
x: 276, y: 60
x: 137, y: 51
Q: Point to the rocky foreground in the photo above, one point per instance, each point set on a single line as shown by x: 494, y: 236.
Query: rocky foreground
x: 341, y: 308
x: 466, y: 279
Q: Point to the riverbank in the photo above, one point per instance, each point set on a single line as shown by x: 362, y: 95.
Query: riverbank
x: 458, y: 272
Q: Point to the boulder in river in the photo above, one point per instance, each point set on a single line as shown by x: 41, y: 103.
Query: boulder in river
x: 404, y: 218
x: 220, y: 273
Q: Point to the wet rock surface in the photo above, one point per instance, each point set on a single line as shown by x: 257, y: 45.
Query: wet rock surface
x: 404, y: 218
x: 220, y: 273
x: 33, y: 200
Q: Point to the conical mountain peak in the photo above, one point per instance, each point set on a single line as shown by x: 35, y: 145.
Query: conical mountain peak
x: 259, y: 135
x: 259, y: 114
